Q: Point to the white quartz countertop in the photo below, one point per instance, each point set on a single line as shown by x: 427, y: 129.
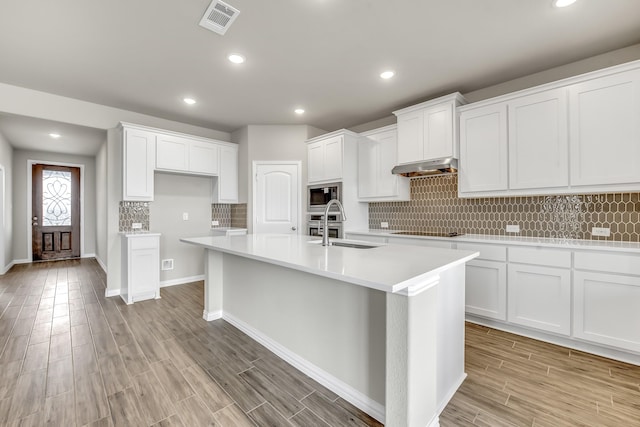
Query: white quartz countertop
x: 602, y: 245
x: 388, y: 268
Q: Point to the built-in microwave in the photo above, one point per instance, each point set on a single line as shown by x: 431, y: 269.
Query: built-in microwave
x: 319, y: 195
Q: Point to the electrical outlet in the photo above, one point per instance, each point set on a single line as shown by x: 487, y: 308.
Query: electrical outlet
x: 167, y: 264
x: 136, y: 226
x: 513, y: 228
x: 185, y: 216
x: 384, y: 225
x: 601, y: 231
x: 215, y: 223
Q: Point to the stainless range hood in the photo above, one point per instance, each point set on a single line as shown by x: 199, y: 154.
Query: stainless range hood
x: 428, y: 168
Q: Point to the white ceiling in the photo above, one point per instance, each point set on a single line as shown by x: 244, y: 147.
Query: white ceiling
x: 323, y: 55
x: 28, y: 133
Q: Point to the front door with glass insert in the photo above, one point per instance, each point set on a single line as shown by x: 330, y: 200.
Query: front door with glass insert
x: 56, y: 212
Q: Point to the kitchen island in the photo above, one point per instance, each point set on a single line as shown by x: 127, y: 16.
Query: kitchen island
x: 383, y: 326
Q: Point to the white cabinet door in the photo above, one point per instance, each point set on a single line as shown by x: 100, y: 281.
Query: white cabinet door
x: 315, y: 164
x: 172, y: 153
x: 607, y: 309
x: 605, y: 130
x: 438, y: 132
x: 540, y: 297
x: 203, y: 157
x: 141, y: 267
x: 333, y: 159
x: 486, y: 289
x: 483, y: 149
x: 410, y: 136
x: 226, y: 186
x: 538, y: 141
x: 138, y: 163
x: 387, y: 183
x: 368, y: 153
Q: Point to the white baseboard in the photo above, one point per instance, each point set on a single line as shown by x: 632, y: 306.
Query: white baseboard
x: 111, y: 292
x: 88, y: 256
x: 211, y: 315
x: 181, y: 281
x: 7, y: 268
x: 435, y: 422
x: 20, y: 261
x: 101, y: 264
x: 444, y: 402
x: 348, y: 393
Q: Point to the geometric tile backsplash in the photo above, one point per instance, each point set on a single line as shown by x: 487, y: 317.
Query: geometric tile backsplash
x: 131, y: 212
x: 229, y: 215
x: 435, y: 207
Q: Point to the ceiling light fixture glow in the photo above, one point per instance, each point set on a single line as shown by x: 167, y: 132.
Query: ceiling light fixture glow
x: 236, y: 58
x: 563, y: 3
x: 299, y: 111
x: 387, y: 75
x: 189, y: 101
x: 54, y: 135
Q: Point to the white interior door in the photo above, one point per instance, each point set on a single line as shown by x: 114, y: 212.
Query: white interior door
x: 276, y: 196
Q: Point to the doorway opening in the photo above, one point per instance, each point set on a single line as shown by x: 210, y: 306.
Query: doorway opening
x: 56, y: 215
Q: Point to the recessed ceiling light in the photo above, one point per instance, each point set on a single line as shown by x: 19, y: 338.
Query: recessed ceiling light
x: 387, y: 75
x: 189, y: 101
x: 236, y: 58
x: 54, y: 135
x: 299, y: 111
x: 563, y: 3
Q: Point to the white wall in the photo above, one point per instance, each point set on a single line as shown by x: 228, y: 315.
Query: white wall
x: 268, y: 143
x: 173, y: 196
x: 21, y: 171
x: 101, y: 205
x: 6, y: 216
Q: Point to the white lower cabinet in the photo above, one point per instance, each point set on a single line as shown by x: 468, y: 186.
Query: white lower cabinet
x: 486, y: 289
x: 606, y: 308
x: 540, y: 297
x: 140, y: 267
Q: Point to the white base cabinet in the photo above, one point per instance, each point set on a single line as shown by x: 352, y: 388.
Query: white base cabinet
x: 540, y: 297
x: 140, y: 267
x: 486, y: 289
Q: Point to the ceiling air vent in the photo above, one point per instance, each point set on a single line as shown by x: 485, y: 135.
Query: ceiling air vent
x: 219, y: 17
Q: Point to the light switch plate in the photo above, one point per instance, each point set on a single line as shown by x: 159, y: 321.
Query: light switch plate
x: 601, y: 231
x: 215, y: 223
x: 384, y: 225
x: 136, y: 225
x: 513, y: 228
x: 185, y: 216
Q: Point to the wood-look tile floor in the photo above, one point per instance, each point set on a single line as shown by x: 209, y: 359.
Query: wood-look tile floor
x: 71, y: 357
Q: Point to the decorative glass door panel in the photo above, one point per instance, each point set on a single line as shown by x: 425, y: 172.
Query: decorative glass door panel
x: 56, y: 212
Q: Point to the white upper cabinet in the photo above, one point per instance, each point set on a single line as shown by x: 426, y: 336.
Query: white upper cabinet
x: 181, y: 154
x: 377, y: 154
x: 538, y: 147
x: 203, y: 157
x: 605, y: 130
x: 138, y: 156
x: 483, y: 149
x: 325, y: 156
x: 576, y: 136
x: 226, y: 190
x: 427, y: 131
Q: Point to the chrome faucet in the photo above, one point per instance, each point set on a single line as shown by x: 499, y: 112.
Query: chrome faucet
x: 325, y: 220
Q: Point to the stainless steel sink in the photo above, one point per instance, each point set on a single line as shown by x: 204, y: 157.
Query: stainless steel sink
x: 352, y: 245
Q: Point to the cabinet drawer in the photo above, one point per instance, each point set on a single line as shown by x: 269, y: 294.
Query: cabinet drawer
x: 612, y: 263
x: 487, y: 252
x: 539, y: 256
x: 144, y: 242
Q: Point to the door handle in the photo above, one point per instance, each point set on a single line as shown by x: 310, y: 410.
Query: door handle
x: 35, y: 218
x: 35, y: 224
x: 294, y: 228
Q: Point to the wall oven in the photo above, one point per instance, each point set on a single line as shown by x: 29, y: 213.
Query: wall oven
x: 319, y: 195
x: 334, y: 225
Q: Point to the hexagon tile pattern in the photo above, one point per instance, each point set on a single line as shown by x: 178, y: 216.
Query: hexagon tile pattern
x: 131, y: 212
x: 435, y: 207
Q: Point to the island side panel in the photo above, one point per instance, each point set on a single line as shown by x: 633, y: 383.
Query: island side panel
x: 213, y: 284
x: 411, y: 363
x: 450, y: 331
x: 336, y: 326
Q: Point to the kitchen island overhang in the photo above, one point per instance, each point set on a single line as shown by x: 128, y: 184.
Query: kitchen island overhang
x: 381, y: 327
